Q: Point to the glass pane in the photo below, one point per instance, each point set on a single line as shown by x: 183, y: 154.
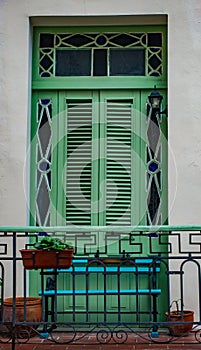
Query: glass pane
x: 126, y: 39
x: 76, y: 40
x: 155, y: 39
x: 45, y: 62
x: 43, y: 202
x: 153, y: 202
x: 127, y: 62
x: 46, y: 40
x: 100, y: 62
x: 73, y: 62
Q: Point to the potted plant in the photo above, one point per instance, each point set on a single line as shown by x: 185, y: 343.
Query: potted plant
x: 49, y: 252
x: 182, y: 320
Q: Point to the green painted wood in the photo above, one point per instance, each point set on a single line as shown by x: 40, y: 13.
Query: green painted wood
x: 82, y: 228
x: 84, y: 29
x: 34, y: 142
x: 79, y: 99
x: 98, y: 89
x: 73, y: 83
x: 95, y: 160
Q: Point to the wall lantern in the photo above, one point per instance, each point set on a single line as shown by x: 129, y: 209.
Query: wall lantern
x: 155, y: 99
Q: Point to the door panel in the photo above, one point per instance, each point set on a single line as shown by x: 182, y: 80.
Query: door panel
x: 100, y: 156
x: 117, y: 156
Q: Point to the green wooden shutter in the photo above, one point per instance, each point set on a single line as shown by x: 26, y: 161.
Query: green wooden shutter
x: 118, y: 162
x: 119, y: 119
x: 78, y: 162
x: 100, y: 159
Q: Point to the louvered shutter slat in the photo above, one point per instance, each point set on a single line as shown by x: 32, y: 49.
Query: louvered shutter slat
x: 118, y: 168
x: 78, y: 167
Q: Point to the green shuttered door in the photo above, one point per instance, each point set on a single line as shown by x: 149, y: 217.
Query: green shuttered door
x: 100, y: 157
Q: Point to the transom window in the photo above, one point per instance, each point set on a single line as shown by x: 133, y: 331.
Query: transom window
x: 100, y: 54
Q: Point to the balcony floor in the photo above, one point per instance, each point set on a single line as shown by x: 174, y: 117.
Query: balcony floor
x: 135, y: 342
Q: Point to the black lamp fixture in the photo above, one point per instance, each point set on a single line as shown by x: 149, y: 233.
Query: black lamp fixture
x: 155, y: 98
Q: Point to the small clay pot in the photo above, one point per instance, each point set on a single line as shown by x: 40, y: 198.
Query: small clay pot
x: 181, y: 317
x: 33, y: 314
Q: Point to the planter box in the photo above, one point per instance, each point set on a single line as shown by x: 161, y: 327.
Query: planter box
x: 46, y: 259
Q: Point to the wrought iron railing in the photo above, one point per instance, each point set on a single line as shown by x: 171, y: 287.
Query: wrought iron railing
x: 121, y: 283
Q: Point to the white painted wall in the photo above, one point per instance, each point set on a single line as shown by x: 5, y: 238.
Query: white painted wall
x: 184, y: 65
x: 184, y: 93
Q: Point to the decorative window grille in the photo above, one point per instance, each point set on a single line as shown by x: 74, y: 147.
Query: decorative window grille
x: 100, y: 54
x: 154, y: 171
x: 44, y: 161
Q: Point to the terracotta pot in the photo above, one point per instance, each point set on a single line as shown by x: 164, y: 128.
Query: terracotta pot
x: 33, y: 314
x: 182, y: 328
x: 46, y: 259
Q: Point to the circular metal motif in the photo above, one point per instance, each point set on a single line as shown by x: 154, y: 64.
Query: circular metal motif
x: 153, y: 167
x: 101, y: 40
x: 44, y: 166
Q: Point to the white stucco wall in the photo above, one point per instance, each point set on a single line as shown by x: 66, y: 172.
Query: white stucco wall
x: 184, y: 84
x: 184, y: 48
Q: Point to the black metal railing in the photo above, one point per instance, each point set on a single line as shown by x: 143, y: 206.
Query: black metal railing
x: 121, y: 282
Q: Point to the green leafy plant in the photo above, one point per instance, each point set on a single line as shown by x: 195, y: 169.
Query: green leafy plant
x: 49, y: 243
